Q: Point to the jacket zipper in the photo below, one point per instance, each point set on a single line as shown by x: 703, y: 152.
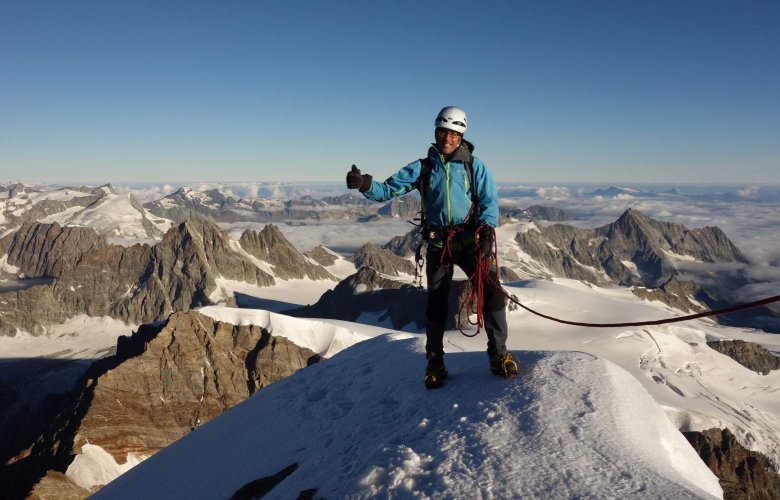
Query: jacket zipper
x: 446, y: 166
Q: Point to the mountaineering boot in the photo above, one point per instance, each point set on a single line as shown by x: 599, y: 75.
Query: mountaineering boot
x: 503, y: 365
x: 435, y: 373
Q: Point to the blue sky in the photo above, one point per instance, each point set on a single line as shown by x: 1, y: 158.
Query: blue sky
x: 612, y: 92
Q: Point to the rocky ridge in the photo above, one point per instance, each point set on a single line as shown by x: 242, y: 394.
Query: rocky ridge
x: 750, y: 355
x: 743, y: 474
x: 535, y: 212
x: 633, y: 250
x: 137, y: 284
x: 405, y: 245
x: 404, y: 207
x: 270, y: 245
x: 368, y: 292
x: 676, y: 293
x: 321, y: 256
x: 162, y: 383
x: 382, y: 260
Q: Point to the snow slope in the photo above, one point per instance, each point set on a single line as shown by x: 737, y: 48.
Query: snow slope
x: 120, y: 219
x: 698, y: 387
x: 361, y: 425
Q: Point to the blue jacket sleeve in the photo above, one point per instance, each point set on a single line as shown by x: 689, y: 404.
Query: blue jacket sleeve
x: 400, y: 183
x: 487, y: 193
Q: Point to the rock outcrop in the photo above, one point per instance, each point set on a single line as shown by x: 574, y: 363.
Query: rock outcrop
x: 404, y: 207
x: 748, y: 354
x: 682, y: 295
x: 743, y: 474
x: 163, y: 382
x: 138, y: 284
x: 506, y: 275
x: 384, y: 261
x: 405, y: 245
x: 49, y: 250
x: 535, y: 212
x: 286, y: 261
x: 321, y: 256
x: 367, y: 292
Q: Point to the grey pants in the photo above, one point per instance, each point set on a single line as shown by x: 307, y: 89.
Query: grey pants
x: 439, y: 275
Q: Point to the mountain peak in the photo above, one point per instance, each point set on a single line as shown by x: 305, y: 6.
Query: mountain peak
x: 383, y: 437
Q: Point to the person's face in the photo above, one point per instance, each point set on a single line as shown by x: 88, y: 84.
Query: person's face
x: 447, y: 141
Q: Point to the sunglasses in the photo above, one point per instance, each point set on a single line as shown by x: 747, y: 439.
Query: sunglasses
x: 443, y: 132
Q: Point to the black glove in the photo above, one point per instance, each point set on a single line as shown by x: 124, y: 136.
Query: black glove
x: 486, y: 238
x: 356, y: 180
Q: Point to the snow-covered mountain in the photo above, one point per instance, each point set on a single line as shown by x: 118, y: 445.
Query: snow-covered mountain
x: 604, y: 402
x: 587, y: 401
x: 118, y: 217
x: 187, y: 203
x: 362, y: 426
x: 195, y: 264
x: 674, y: 374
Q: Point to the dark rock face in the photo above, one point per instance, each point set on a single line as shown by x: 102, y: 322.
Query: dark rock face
x: 162, y: 383
x: 675, y: 293
x: 348, y: 200
x: 138, y: 284
x: 535, y: 212
x: 404, y: 207
x: 743, y: 474
x: 57, y: 485
x: 382, y: 260
x: 287, y: 262
x: 507, y: 275
x: 748, y: 354
x: 368, y: 292
x: 598, y: 255
x: 49, y: 250
x: 321, y: 256
x: 406, y: 245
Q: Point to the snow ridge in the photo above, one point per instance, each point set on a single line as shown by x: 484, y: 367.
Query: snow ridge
x: 572, y: 424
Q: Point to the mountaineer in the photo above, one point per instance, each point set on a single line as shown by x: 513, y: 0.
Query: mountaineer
x: 459, y: 213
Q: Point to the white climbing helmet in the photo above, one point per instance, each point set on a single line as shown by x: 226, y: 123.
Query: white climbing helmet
x: 452, y: 118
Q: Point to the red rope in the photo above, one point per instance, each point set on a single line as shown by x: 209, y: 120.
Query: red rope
x: 478, y: 279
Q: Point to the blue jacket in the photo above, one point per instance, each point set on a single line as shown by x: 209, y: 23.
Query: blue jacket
x: 447, y: 197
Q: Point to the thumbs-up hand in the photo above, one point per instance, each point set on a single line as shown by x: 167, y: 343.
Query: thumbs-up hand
x: 356, y: 180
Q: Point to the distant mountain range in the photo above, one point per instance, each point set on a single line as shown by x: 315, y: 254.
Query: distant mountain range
x: 183, y: 367
x: 123, y: 220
